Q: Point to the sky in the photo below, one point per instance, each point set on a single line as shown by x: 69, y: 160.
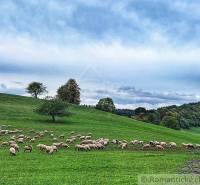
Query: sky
x: 138, y: 52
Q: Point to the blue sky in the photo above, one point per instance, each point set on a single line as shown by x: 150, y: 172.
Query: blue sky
x: 139, y: 52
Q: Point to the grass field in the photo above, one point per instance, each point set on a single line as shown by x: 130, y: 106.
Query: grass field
x: 110, y: 166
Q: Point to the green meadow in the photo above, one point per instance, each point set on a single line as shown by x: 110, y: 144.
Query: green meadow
x: 111, y: 166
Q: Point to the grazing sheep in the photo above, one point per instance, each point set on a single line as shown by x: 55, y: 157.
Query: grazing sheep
x: 115, y: 141
x: 12, y: 151
x: 71, y: 140
x: 163, y: 144
x: 64, y: 145
x: 190, y: 146
x: 146, y: 146
x: 172, y: 145
x: 5, y: 143
x: 15, y: 146
x: 87, y: 142
x: 99, y: 146
x: 32, y: 140
x: 159, y: 147
x: 61, y: 136
x: 72, y: 132
x: 55, y: 139
x: 136, y: 142
x: 88, y: 137
x: 42, y: 147
x: 82, y: 137
x: 28, y: 148
x: 82, y: 147
x: 123, y: 146
x: 20, y: 140
x: 197, y: 146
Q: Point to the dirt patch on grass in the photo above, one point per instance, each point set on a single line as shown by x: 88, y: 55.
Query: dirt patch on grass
x: 192, y: 167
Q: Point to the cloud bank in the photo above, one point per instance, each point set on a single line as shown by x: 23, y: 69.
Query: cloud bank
x: 152, y: 45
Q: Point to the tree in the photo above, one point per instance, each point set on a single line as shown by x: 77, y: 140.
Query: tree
x: 140, y: 110
x: 171, y: 122
x: 106, y: 104
x: 70, y: 92
x: 36, y: 88
x: 53, y: 107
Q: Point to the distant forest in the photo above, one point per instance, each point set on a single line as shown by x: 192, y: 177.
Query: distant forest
x: 176, y: 117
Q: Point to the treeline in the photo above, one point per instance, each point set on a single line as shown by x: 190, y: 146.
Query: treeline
x: 176, y: 117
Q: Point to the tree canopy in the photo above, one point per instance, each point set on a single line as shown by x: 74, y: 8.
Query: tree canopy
x: 36, y: 88
x: 106, y: 104
x: 53, y: 107
x: 70, y: 92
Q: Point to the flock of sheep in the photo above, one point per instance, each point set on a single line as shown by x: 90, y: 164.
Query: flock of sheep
x: 16, y: 139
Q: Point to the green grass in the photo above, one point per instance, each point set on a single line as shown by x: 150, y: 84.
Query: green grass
x: 111, y: 166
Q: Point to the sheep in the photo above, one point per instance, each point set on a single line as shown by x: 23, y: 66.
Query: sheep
x: 88, y: 137
x: 184, y: 145
x: 11, y: 142
x: 55, y: 139
x: 163, y: 144
x: 42, y: 147
x: 32, y: 140
x: 20, y: 140
x: 146, y: 146
x: 70, y: 140
x: 92, y: 146
x: 190, y: 146
x: 115, y: 141
x: 51, y: 149
x: 82, y: 137
x: 28, y: 148
x: 5, y: 143
x: 57, y: 144
x: 159, y: 147
x: 136, y: 142
x: 64, y: 145
x: 15, y: 146
x: 172, y: 145
x: 12, y: 151
x: 72, y: 132
x: 99, y: 146
x: 87, y: 142
x: 61, y: 136
x: 197, y: 146
x: 82, y: 147
x: 123, y: 145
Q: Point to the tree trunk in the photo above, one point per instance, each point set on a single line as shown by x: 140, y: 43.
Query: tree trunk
x: 35, y: 95
x: 53, y: 118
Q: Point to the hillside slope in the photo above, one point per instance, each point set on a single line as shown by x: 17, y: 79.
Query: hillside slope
x: 18, y: 111
x: 111, y: 166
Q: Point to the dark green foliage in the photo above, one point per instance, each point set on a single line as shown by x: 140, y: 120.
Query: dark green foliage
x: 125, y: 112
x: 140, y: 110
x: 171, y: 122
x: 106, y: 104
x: 185, y: 116
x: 70, y: 92
x: 36, y: 88
x: 53, y: 107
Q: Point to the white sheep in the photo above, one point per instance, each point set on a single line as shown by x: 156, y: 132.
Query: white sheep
x: 12, y: 151
x: 172, y: 144
x: 28, y: 148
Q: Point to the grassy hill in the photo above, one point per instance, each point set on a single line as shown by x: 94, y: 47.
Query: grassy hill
x: 110, y: 166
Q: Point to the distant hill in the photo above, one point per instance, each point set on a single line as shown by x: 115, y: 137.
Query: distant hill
x: 177, y: 117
